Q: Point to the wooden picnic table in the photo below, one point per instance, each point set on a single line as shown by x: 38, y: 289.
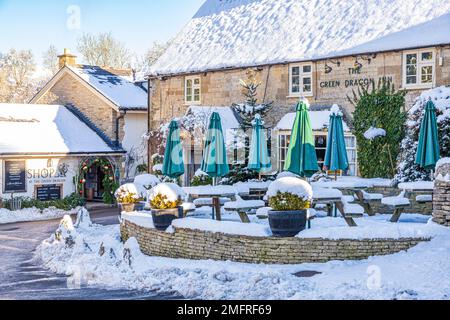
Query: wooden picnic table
x: 213, y: 192
x: 332, y: 197
x: 357, y: 188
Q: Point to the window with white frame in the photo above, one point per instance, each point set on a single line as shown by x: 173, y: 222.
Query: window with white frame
x: 301, y: 80
x: 419, y: 68
x: 192, y: 90
x: 321, y: 147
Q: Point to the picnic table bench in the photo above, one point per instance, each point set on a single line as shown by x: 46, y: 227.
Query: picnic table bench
x: 243, y: 207
x: 397, y: 204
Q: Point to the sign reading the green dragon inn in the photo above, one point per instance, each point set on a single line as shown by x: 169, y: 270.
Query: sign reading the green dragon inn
x: 354, y: 79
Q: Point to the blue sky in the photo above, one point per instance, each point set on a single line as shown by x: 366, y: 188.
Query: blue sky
x: 36, y: 24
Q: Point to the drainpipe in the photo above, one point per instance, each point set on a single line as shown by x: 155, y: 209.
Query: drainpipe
x: 122, y: 116
x: 149, y: 124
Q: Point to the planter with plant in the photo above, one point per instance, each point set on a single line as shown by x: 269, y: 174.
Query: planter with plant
x: 165, y: 203
x: 128, y: 197
x: 290, y: 198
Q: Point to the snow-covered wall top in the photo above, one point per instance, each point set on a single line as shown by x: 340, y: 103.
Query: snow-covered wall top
x: 45, y: 129
x: 240, y: 33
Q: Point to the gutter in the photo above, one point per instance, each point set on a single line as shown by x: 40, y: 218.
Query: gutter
x: 59, y: 154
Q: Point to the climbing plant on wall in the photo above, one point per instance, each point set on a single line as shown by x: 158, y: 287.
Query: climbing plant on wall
x: 110, y: 183
x: 380, y: 108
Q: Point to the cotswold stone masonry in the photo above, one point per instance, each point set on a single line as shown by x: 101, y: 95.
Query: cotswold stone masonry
x: 201, y: 245
x: 441, y: 197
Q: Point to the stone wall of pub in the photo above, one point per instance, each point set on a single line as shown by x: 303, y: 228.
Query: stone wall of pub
x: 201, y: 245
x: 222, y: 88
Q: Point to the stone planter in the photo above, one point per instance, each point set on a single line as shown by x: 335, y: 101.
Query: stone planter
x: 128, y: 207
x: 162, y: 218
x: 287, y: 223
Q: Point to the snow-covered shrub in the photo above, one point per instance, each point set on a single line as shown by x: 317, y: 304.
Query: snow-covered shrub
x: 166, y: 196
x: 129, y: 193
x: 148, y: 181
x: 378, y: 123
x: 201, y: 179
x: 290, y: 194
x: 407, y: 169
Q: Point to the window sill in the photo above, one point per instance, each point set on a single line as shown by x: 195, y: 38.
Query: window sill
x: 309, y: 95
x: 188, y: 104
x: 417, y: 87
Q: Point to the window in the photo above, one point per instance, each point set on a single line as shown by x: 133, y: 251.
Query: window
x: 321, y: 147
x: 301, y: 80
x: 192, y: 90
x: 418, y: 69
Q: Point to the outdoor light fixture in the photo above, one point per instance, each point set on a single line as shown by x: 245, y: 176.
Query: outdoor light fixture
x: 358, y: 65
x: 368, y: 58
x: 328, y: 68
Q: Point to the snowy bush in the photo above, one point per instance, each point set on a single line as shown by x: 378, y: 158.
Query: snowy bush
x: 166, y: 196
x: 148, y: 181
x: 379, y: 128
x: 407, y: 170
x: 201, y: 179
x: 290, y: 193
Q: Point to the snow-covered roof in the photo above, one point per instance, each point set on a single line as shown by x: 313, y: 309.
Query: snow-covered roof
x: 320, y: 120
x: 46, y: 129
x: 117, y: 86
x: 229, y: 118
x: 242, y: 33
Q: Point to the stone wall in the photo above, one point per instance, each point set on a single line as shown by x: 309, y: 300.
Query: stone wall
x: 441, y: 197
x: 221, y: 88
x: 69, y: 90
x: 200, y: 245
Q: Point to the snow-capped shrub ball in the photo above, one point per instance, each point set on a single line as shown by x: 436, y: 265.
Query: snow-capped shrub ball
x: 130, y: 193
x: 285, y: 174
x: 166, y: 196
x: 148, y: 181
x: 289, y: 194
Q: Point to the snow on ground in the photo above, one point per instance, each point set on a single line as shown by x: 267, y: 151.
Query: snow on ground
x: 33, y: 214
x: 420, y: 273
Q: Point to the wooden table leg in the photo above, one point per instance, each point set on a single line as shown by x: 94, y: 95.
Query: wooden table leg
x: 216, y: 205
x: 396, y: 216
x: 367, y: 207
x: 244, y: 217
x: 349, y: 220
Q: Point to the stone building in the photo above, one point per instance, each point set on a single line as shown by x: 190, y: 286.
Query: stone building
x: 48, y: 152
x: 109, y: 98
x: 296, y: 49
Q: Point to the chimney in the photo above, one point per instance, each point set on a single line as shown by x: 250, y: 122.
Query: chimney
x: 67, y: 59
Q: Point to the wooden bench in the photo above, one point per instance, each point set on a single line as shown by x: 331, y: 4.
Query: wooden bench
x: 243, y: 207
x: 398, y: 205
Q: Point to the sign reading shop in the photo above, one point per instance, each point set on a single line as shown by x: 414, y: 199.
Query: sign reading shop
x: 356, y: 80
x: 15, y: 176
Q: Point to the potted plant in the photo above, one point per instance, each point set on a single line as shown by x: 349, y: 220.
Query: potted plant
x: 128, y: 197
x: 290, y: 198
x: 165, y: 203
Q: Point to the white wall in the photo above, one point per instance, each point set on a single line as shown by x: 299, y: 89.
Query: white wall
x: 135, y: 127
x: 38, y: 173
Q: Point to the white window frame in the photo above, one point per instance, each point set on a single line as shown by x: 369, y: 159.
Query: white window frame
x: 194, y: 87
x: 420, y: 64
x: 302, y: 75
x: 282, y: 148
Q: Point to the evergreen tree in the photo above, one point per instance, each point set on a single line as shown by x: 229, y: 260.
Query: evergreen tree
x: 247, y: 112
x: 407, y: 169
x: 381, y: 107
